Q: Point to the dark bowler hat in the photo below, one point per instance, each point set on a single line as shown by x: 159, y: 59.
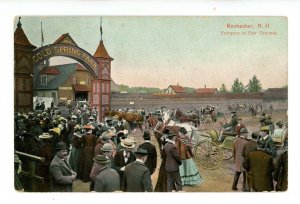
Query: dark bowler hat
x: 60, y: 146
x: 171, y: 134
x: 101, y: 159
x: 146, y: 135
x: 141, y: 151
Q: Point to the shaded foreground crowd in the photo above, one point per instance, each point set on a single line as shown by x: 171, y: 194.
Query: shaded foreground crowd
x: 105, y: 155
x: 100, y: 153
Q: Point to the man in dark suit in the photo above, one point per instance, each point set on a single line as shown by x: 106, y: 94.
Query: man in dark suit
x: 107, y: 179
x: 281, y: 172
x: 250, y: 146
x: 238, y: 149
x: 124, y: 157
x: 136, y: 175
x: 172, y: 164
x: 62, y: 176
x: 151, y: 161
x: 260, y: 166
x: 269, y: 145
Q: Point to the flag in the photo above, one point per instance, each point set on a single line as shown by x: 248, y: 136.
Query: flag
x: 42, y: 34
x: 101, y: 32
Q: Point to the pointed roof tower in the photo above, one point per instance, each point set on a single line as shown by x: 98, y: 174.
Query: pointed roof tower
x: 65, y: 39
x: 101, y: 51
x: 20, y: 38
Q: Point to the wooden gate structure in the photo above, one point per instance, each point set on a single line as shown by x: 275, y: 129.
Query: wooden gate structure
x: 28, y: 173
x: 28, y: 57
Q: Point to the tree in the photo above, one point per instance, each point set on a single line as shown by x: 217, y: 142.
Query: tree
x: 254, y: 85
x: 237, y: 86
x: 223, y: 89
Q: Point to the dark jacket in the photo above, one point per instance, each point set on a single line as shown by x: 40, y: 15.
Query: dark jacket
x: 60, y: 175
x: 172, y: 157
x: 137, y: 178
x: 270, y: 147
x: 249, y: 147
x: 151, y: 161
x: 260, y: 166
x: 281, y: 172
x: 230, y: 127
x: 119, y: 162
x: 107, y: 180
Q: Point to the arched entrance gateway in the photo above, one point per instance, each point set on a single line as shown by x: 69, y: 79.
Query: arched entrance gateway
x: 98, y: 65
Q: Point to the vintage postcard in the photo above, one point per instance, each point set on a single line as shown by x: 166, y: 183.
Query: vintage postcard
x: 151, y: 104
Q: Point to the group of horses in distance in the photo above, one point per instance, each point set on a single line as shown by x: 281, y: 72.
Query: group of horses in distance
x: 254, y: 109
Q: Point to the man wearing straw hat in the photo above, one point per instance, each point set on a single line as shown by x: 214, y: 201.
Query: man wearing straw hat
x: 107, y: 179
x: 124, y: 157
x: 136, y: 175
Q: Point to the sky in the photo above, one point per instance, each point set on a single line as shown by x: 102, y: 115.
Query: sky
x: 163, y: 51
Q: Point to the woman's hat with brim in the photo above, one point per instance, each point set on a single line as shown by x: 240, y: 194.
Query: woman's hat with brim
x: 45, y: 136
x: 88, y: 126
x: 127, y: 143
x: 101, y: 159
x: 105, y: 136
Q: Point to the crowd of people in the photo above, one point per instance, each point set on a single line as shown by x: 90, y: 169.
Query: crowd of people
x: 76, y: 146
x: 256, y: 154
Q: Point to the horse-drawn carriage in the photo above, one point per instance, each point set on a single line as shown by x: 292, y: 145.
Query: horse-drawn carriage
x: 209, y: 152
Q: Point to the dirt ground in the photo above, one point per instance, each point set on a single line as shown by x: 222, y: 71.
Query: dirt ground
x: 217, y: 180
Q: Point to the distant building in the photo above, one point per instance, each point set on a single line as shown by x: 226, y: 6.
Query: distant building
x: 65, y: 82
x: 276, y: 94
x: 175, y: 89
x: 206, y: 90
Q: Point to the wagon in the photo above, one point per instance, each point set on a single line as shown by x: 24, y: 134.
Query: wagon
x: 209, y: 152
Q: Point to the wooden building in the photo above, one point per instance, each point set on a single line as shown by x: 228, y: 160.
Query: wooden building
x: 175, y: 89
x: 23, y: 71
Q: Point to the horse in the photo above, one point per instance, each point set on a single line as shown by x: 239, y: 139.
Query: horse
x: 135, y: 120
x: 186, y: 118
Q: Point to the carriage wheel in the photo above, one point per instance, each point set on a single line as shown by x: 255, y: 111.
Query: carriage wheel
x: 208, y: 154
x: 227, y: 153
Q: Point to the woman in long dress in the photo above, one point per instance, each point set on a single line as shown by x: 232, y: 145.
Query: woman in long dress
x: 76, y: 148
x: 189, y: 173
